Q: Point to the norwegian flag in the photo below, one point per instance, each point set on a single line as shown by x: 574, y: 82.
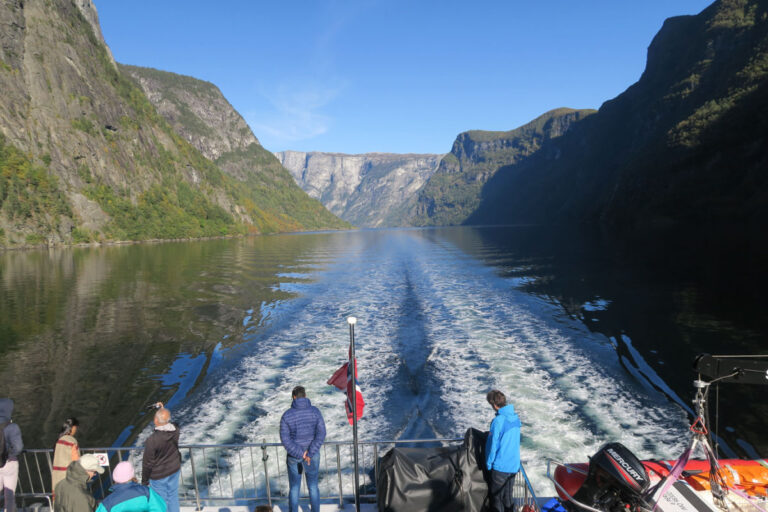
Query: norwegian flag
x: 342, y: 379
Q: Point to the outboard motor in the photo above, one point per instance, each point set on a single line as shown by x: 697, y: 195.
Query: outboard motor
x: 615, y: 482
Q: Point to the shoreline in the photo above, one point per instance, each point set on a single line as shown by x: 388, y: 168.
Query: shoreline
x: 109, y: 243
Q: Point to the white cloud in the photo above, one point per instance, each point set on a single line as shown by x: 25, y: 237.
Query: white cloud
x: 295, y: 111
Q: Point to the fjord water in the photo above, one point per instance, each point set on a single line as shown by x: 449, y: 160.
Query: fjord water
x: 591, y: 336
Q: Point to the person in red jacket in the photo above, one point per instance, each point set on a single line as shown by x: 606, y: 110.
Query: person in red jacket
x: 161, y: 464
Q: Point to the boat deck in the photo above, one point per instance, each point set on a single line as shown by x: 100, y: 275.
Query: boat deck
x: 303, y: 507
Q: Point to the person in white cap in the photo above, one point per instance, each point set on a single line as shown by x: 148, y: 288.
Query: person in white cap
x: 128, y: 495
x: 72, y: 493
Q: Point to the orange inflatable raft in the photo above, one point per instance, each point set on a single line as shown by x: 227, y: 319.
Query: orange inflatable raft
x: 750, y: 476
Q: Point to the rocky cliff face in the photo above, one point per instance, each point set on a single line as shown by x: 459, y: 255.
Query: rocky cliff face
x: 200, y: 113
x: 453, y: 193
x: 685, y: 144
x: 91, y: 15
x: 370, y: 190
x: 85, y: 156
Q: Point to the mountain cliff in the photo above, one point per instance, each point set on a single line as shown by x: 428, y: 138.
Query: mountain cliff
x: 199, y: 112
x: 85, y: 156
x: 370, y: 190
x: 453, y: 192
x: 686, y: 143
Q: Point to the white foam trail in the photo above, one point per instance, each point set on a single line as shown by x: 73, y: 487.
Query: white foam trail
x: 563, y: 380
x: 480, y: 332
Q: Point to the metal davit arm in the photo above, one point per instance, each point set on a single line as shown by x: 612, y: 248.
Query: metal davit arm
x: 737, y: 369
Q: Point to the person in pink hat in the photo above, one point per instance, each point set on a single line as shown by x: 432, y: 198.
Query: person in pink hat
x: 129, y: 495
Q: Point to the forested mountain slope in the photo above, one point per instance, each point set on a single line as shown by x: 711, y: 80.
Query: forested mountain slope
x: 84, y: 155
x: 200, y: 113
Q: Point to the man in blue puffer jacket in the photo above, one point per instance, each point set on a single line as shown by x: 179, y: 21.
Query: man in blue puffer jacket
x: 502, y: 452
x: 130, y: 496
x: 302, y: 432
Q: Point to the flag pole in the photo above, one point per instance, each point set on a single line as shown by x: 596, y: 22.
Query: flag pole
x: 352, y: 321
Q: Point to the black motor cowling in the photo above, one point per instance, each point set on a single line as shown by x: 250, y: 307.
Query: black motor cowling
x: 615, y: 482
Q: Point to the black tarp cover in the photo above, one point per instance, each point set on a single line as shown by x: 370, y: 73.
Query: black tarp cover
x: 445, y: 479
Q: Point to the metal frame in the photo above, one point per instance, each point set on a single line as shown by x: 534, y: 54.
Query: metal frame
x: 231, y: 473
x: 560, y: 487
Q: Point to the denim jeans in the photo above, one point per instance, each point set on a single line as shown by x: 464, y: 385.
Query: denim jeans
x: 168, y: 489
x: 295, y: 468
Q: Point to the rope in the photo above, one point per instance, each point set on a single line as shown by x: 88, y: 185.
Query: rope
x: 672, y: 477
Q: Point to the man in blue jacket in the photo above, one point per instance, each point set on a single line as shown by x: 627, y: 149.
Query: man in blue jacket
x: 302, y: 432
x: 502, y: 452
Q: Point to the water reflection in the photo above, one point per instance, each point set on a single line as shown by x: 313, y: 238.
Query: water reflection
x: 97, y: 333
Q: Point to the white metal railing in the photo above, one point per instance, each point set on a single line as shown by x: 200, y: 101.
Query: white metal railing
x: 251, y: 473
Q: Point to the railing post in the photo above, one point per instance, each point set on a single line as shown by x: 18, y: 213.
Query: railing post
x: 216, y: 452
x: 29, y: 474
x: 264, y: 457
x: 338, y: 472
x: 194, y: 479
x: 253, y: 474
x: 49, y: 459
x: 376, y: 467
x: 526, y: 492
x: 39, y: 474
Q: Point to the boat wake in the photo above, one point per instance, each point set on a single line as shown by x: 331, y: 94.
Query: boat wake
x: 436, y: 330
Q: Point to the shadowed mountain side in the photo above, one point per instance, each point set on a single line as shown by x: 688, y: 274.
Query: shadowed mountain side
x: 370, y: 190
x: 454, y: 191
x: 683, y: 144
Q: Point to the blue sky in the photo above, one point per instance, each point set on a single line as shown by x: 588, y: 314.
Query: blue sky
x: 390, y: 75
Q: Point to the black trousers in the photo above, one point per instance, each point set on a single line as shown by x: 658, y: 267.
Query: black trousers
x: 500, y: 491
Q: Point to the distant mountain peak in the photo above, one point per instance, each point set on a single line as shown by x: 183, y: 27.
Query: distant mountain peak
x: 369, y: 189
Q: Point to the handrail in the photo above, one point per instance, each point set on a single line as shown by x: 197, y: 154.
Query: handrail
x: 528, y: 485
x: 255, y: 445
x: 215, y: 473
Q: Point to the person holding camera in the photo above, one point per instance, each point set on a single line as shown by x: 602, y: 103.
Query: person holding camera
x: 161, y: 464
